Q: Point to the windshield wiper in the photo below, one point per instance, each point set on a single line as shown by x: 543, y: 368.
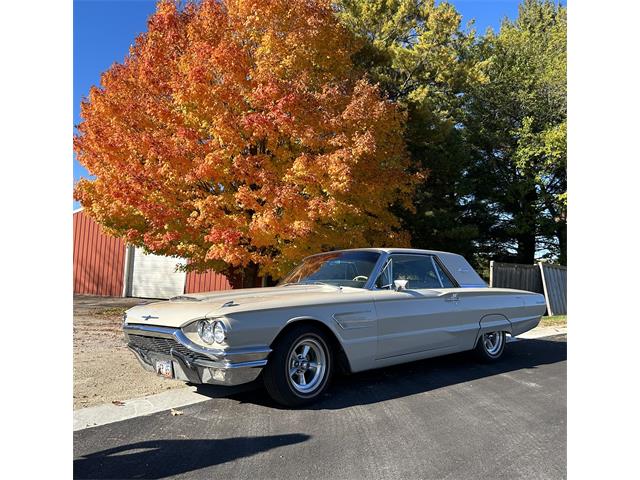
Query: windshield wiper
x: 318, y: 282
x: 312, y: 282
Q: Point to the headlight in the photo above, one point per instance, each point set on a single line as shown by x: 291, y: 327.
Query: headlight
x: 205, y: 331
x: 211, y: 332
x: 219, y: 333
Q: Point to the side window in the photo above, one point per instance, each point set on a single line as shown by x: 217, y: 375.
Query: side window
x: 418, y: 270
x: 446, y: 281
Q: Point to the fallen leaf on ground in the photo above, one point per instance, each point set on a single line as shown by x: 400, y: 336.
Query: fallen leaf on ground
x: 118, y: 403
x: 175, y: 412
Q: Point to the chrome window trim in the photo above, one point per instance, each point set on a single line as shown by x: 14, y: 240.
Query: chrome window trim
x: 377, y: 270
x: 446, y: 271
x: 371, y: 285
x: 435, y: 269
x: 376, y: 267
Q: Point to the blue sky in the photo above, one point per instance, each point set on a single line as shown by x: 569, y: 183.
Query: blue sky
x: 103, y: 30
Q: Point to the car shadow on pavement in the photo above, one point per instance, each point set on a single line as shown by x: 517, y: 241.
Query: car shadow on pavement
x: 164, y: 458
x: 418, y: 377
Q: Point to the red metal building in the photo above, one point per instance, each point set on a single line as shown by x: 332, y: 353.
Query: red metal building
x: 106, y: 266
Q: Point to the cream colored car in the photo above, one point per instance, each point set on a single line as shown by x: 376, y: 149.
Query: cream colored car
x: 349, y: 310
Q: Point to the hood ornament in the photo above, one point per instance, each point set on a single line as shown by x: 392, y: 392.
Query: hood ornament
x: 149, y: 317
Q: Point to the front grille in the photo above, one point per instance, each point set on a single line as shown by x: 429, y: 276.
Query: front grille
x: 164, y: 346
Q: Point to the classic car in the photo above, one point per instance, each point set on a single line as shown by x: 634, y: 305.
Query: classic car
x: 348, y: 310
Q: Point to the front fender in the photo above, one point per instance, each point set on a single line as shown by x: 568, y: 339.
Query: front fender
x: 358, y: 344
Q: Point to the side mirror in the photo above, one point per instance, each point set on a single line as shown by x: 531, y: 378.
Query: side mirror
x: 400, y: 285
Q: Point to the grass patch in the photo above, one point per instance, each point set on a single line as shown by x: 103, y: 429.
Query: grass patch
x: 554, y: 321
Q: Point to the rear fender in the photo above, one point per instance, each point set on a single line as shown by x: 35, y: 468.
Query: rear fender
x: 493, y: 323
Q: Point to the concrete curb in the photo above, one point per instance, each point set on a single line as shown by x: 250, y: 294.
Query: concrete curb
x: 109, y: 413
x: 539, y: 333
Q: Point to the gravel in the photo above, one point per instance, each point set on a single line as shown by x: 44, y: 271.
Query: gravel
x: 104, y: 370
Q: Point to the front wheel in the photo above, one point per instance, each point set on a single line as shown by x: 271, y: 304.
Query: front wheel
x: 491, y: 346
x: 299, y: 368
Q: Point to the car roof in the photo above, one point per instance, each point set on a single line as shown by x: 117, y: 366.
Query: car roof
x: 385, y: 250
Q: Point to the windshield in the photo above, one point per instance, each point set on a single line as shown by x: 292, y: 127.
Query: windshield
x: 345, y: 269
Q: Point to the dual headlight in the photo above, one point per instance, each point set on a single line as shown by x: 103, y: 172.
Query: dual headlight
x: 211, y: 331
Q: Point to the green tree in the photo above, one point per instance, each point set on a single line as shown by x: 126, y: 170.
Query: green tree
x: 419, y: 54
x: 515, y: 128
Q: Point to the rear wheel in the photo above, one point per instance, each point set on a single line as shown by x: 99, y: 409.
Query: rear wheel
x: 300, y: 366
x: 491, y: 346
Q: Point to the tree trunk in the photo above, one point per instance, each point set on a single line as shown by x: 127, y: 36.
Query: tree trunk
x: 526, y: 248
x: 246, y: 277
x: 250, y: 276
x: 526, y: 221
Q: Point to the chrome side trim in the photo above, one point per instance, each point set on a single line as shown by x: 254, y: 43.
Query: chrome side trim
x: 354, y: 320
x: 148, y: 330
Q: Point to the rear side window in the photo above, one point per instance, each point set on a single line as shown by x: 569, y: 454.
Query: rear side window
x: 418, y: 270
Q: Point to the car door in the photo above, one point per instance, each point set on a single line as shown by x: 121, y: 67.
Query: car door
x: 422, y: 316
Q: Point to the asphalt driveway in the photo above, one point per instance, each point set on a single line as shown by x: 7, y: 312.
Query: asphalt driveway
x: 441, y: 418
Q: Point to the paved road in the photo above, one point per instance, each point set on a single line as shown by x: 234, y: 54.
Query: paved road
x: 440, y: 418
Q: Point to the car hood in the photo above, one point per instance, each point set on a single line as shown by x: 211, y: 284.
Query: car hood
x: 184, y: 309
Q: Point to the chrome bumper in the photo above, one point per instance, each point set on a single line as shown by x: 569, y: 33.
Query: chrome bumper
x: 193, y: 363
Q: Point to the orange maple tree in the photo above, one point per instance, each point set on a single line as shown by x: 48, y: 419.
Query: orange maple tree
x: 239, y: 132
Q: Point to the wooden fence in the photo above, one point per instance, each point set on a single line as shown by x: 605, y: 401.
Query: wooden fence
x: 547, y: 279
x: 554, y: 280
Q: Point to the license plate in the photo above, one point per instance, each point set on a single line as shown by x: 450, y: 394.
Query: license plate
x: 164, y: 368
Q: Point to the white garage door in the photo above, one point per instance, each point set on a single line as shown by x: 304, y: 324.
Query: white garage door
x: 155, y: 276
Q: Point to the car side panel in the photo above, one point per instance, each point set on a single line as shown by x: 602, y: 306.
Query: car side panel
x: 357, y: 323
x: 512, y: 311
x: 413, y: 321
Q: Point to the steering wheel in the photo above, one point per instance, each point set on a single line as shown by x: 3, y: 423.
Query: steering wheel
x: 360, y: 278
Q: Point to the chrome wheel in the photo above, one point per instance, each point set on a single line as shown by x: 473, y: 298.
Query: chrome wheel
x: 307, y: 365
x: 493, y: 342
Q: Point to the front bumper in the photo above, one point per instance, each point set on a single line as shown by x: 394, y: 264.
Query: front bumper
x: 193, y: 363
